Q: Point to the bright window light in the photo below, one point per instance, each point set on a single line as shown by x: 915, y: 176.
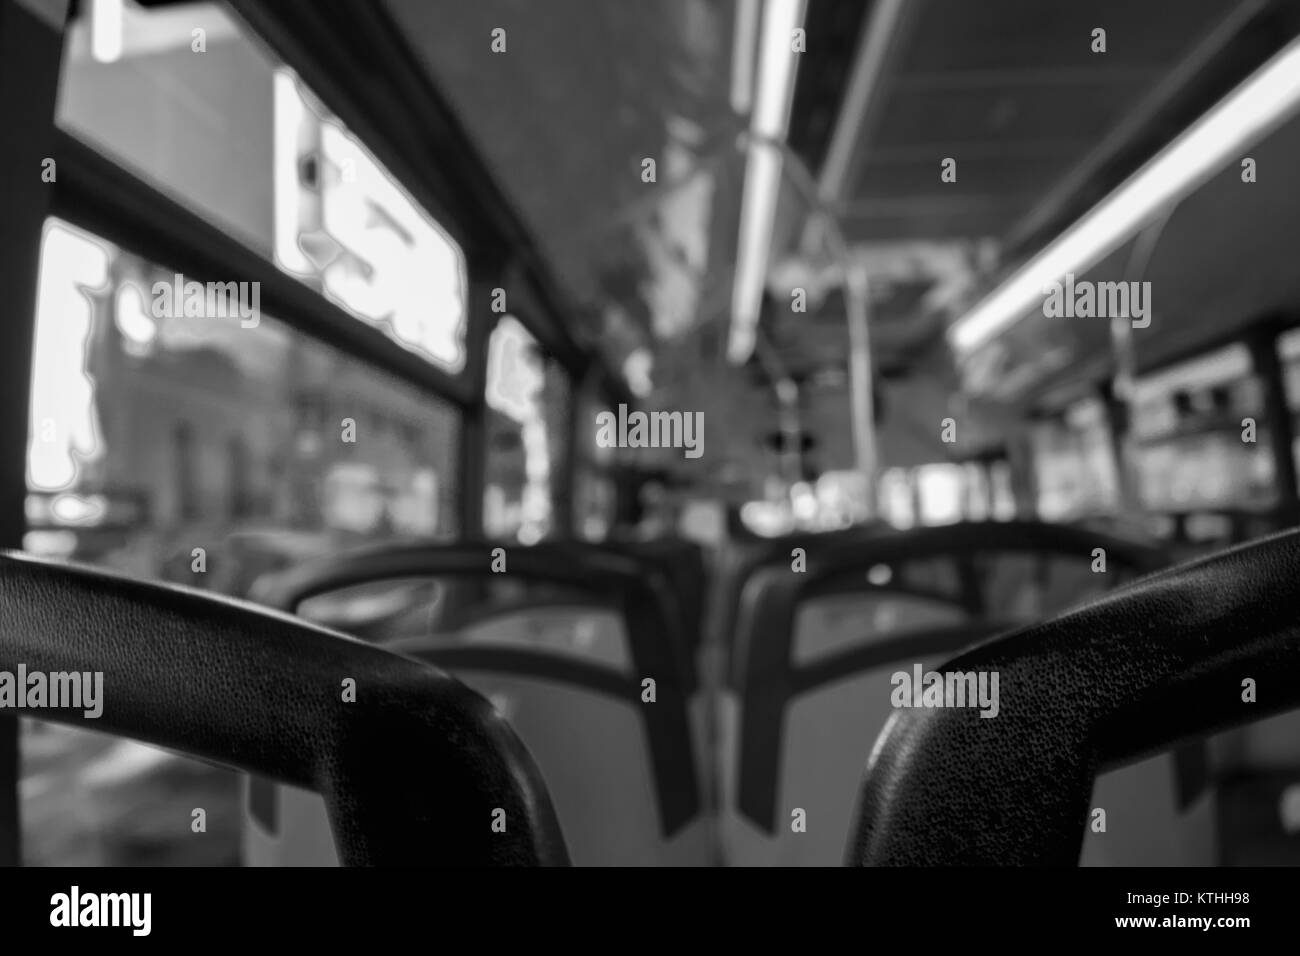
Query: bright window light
x: 64, y: 431
x: 1269, y: 97
x: 349, y: 225
x: 106, y: 30
x: 941, y: 493
x: 289, y: 114
x: 514, y: 373
x: 637, y: 369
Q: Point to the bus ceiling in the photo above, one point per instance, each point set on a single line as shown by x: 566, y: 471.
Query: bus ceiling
x: 933, y: 152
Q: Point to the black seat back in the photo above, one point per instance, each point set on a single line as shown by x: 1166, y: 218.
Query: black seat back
x: 816, y: 651
x: 622, y: 767
x: 257, y: 691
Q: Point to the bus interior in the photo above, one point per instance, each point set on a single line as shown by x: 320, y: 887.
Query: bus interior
x: 487, y: 432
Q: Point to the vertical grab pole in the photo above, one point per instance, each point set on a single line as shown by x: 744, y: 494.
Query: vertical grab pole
x: 858, y: 304
x: 1118, y: 394
x: 860, y: 381
x: 856, y: 295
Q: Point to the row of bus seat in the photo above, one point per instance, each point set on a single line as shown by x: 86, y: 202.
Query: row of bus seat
x: 693, y: 710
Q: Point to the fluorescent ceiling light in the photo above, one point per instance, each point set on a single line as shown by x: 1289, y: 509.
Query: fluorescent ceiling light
x: 769, y: 121
x: 1269, y: 97
x: 776, y: 68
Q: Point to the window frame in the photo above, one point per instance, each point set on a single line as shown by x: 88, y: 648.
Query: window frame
x: 397, y: 115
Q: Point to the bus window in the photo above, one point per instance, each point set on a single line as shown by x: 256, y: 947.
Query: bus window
x: 1074, y: 466
x: 239, y: 139
x: 942, y: 488
x: 1188, y: 429
x: 1288, y: 349
x: 175, y: 446
x: 525, y: 436
x: 556, y: 411
x: 198, y: 127
x: 595, y: 491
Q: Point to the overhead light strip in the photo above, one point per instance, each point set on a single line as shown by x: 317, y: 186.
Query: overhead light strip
x: 1264, y: 101
x: 769, y: 121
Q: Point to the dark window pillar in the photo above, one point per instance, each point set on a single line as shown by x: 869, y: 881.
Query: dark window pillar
x: 485, y: 277
x: 1277, y: 415
x: 31, y: 51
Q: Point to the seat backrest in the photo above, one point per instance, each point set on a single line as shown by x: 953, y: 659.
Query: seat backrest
x: 257, y: 691
x: 680, y: 566
x: 566, y: 658
x: 682, y: 562
x: 1100, y: 685
x: 816, y: 654
x: 744, y: 557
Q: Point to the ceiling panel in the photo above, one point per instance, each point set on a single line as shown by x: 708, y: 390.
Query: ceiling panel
x: 1012, y: 90
x: 956, y: 35
x: 584, y: 92
x: 1002, y: 116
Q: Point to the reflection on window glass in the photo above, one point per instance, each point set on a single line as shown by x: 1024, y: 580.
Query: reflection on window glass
x: 517, y: 499
x: 192, y: 103
x: 1075, y: 470
x: 196, y: 124
x: 343, y: 225
x: 1191, y: 454
x: 1208, y: 470
x: 194, y: 447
